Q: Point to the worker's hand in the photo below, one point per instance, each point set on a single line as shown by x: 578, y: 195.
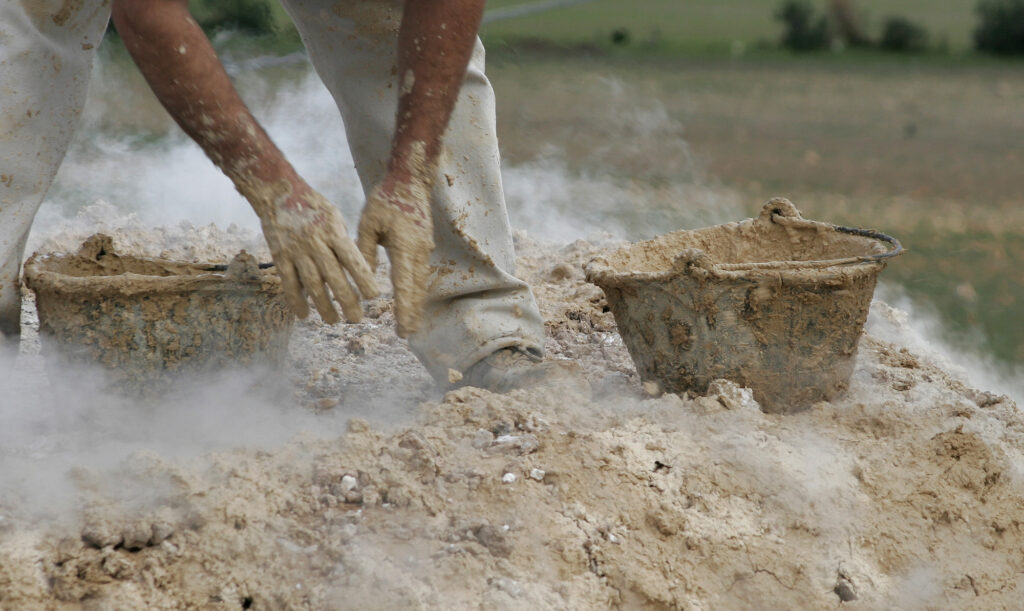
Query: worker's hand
x: 397, y: 216
x: 311, y: 249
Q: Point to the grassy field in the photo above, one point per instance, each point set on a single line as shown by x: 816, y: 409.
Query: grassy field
x: 713, y: 25
x: 666, y: 26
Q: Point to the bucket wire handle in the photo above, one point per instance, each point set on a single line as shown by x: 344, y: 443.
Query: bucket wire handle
x: 897, y: 248
x: 783, y: 212
x: 223, y: 267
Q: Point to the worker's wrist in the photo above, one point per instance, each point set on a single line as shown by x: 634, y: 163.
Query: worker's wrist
x: 410, y: 165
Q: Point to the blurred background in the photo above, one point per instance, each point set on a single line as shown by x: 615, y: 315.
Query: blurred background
x: 639, y: 117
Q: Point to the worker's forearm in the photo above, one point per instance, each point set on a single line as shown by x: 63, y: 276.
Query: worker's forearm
x: 434, y: 47
x: 183, y: 70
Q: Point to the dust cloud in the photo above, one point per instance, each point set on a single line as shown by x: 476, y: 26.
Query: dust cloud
x: 919, y: 327
x: 162, y: 178
x: 349, y: 479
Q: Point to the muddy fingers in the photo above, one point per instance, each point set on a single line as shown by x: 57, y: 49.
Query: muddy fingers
x: 398, y: 218
x: 292, y: 287
x: 358, y: 267
x: 314, y: 285
x: 368, y: 240
x: 341, y: 288
x: 313, y: 252
x: 408, y: 273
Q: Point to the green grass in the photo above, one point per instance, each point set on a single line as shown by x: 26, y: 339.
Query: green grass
x: 713, y: 25
x: 693, y: 27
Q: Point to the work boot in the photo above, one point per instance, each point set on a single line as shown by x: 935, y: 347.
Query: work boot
x: 514, y: 367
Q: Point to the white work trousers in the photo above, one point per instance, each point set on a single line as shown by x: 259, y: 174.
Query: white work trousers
x: 46, y: 53
x: 475, y: 304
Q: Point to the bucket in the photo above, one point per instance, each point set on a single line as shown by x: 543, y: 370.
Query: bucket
x: 776, y: 304
x: 147, y: 320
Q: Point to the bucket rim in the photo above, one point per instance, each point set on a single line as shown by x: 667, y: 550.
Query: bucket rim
x: 138, y: 284
x: 40, y: 275
x: 776, y: 210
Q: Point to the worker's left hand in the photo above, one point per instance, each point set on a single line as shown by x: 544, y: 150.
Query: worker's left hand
x: 397, y: 216
x: 311, y: 248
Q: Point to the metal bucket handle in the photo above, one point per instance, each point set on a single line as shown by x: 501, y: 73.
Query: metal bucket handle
x: 781, y: 211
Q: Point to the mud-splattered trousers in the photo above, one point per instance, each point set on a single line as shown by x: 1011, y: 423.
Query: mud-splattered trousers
x: 475, y: 304
x: 46, y: 53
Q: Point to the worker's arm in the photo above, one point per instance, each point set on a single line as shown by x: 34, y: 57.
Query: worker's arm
x: 305, y: 232
x: 435, y: 43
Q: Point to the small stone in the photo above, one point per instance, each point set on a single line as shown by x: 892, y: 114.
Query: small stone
x: 348, y: 483
x: 509, y: 586
x: 652, y: 389
x: 402, y: 533
x: 326, y: 403
x: 137, y: 535
x: 561, y: 271
x: 508, y: 478
x: 116, y: 566
x: 518, y: 444
x: 347, y: 532
x: 170, y: 548
x: 988, y: 399
x: 377, y: 307
x: 537, y: 474
x: 358, y: 425
x: 100, y: 535
x: 732, y: 396
x: 494, y: 540
x: 356, y: 345
x: 370, y: 495
x: 454, y: 376
x: 844, y: 590
x: 482, y: 438
x: 67, y: 548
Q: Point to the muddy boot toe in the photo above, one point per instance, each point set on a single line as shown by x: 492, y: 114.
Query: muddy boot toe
x: 513, y: 368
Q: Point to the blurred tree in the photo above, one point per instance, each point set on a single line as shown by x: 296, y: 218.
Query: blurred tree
x: 249, y: 16
x: 804, y: 31
x: 902, y: 34
x: 1001, y: 27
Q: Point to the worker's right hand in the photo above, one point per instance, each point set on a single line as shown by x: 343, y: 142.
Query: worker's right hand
x: 311, y: 249
x: 397, y: 216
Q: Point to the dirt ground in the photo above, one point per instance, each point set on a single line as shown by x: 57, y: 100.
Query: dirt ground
x: 907, y: 492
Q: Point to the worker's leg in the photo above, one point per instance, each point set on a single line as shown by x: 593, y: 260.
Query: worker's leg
x: 475, y: 305
x: 46, y: 53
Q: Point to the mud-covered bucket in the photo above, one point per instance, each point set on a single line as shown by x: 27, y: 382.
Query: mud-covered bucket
x: 147, y: 320
x: 776, y: 303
